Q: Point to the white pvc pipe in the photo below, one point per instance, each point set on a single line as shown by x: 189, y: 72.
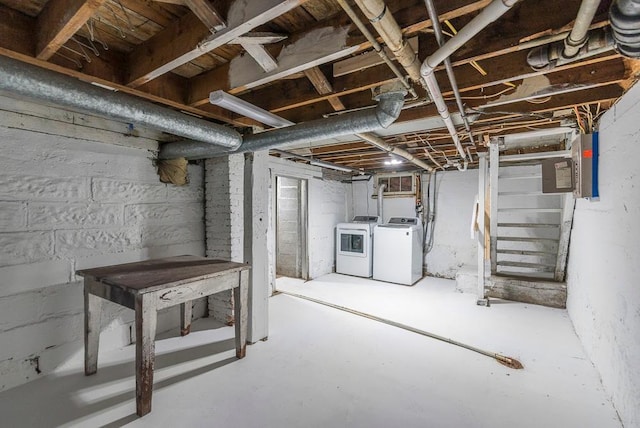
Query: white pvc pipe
x: 578, y: 36
x: 493, y: 11
x: 443, y: 111
x: 381, y: 201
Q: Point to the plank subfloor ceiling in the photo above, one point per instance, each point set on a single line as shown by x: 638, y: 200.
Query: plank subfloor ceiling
x: 306, y: 60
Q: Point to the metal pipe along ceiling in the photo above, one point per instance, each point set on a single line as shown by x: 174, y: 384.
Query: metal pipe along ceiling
x: 44, y: 85
x: 386, y: 112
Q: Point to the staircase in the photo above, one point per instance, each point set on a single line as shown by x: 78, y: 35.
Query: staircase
x: 529, y: 234
x: 529, y: 226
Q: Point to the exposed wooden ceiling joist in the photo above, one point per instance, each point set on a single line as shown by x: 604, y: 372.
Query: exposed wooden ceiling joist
x: 164, y: 53
x: 59, y: 21
x: 188, y: 38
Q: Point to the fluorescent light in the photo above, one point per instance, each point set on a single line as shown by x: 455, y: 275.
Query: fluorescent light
x: 392, y: 162
x: 331, y: 166
x: 237, y: 105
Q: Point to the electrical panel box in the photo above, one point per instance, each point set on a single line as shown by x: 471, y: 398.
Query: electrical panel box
x: 584, y: 151
x: 557, y: 175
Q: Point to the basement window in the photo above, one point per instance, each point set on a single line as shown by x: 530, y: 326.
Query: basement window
x: 397, y: 184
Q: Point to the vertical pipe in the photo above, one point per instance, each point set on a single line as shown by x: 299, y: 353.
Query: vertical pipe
x: 578, y: 36
x: 381, y: 201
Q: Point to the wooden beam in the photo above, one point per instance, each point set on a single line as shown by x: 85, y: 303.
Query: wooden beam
x: 207, y: 14
x: 16, y: 31
x: 261, y: 56
x: 410, y: 14
x: 188, y: 38
x: 59, y: 21
x: 323, y: 86
x: 259, y: 38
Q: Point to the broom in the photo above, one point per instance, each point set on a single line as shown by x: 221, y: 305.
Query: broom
x: 505, y: 361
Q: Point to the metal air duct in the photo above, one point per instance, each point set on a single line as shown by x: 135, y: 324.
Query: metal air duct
x: 44, y: 85
x: 386, y: 112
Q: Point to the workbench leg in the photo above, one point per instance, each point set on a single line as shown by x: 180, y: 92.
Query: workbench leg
x: 241, y: 310
x: 186, y: 311
x: 92, y: 315
x: 145, y: 351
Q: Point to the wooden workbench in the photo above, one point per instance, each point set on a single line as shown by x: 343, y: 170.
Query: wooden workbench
x: 149, y: 286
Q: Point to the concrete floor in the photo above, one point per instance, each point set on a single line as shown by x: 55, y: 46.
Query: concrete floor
x: 322, y: 367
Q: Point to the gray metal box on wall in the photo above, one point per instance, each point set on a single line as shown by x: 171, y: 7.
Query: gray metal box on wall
x: 557, y: 175
x: 582, y: 152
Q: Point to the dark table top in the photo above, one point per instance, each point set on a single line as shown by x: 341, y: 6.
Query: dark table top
x: 151, y: 275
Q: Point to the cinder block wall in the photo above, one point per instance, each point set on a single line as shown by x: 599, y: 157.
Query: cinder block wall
x: 224, y: 182
x: 68, y: 201
x: 602, y: 276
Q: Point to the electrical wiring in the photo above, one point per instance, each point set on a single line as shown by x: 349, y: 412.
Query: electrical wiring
x: 486, y: 97
x: 524, y: 114
x: 579, y: 120
x: 539, y: 101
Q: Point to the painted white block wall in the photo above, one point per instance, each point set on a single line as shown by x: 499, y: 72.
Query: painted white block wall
x: 603, y: 271
x: 364, y: 204
x: 70, y: 201
x: 453, y: 247
x: 456, y: 191
x: 224, y: 183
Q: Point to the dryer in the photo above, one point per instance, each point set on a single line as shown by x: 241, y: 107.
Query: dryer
x: 397, y: 251
x: 354, y: 246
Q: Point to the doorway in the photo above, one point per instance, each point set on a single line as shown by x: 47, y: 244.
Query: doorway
x: 291, y: 228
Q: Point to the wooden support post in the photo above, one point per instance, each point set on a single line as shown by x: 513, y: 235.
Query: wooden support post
x: 92, y: 316
x: 146, y: 318
x: 482, y: 175
x: 186, y: 313
x: 240, y: 302
x: 565, y: 232
x: 494, y: 168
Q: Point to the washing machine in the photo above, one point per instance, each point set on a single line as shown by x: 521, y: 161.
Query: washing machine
x: 354, y: 246
x: 397, y: 251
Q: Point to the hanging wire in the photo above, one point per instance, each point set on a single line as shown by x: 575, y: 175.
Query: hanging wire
x: 93, y: 34
x: 116, y: 21
x: 82, y: 53
x: 90, y: 46
x: 126, y: 15
x: 77, y: 62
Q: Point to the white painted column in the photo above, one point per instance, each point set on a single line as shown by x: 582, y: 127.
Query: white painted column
x: 256, y: 227
x: 224, y: 211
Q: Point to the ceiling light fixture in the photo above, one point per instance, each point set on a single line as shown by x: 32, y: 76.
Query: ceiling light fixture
x: 393, y: 162
x: 237, y: 105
